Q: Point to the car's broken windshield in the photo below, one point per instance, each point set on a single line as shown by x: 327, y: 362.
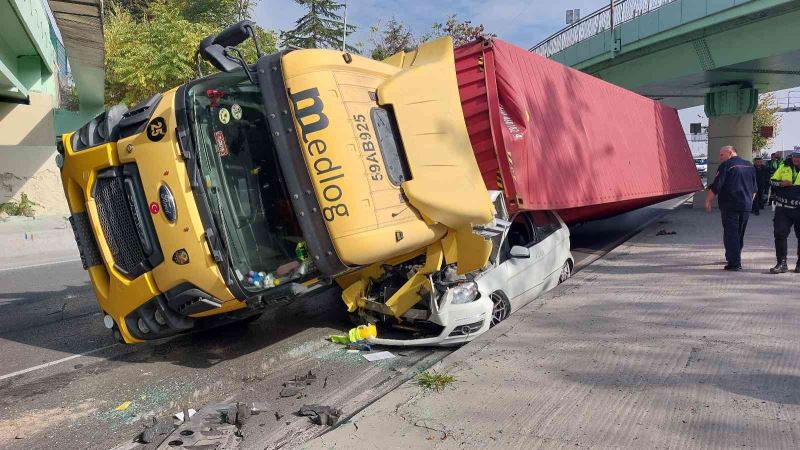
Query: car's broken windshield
x: 245, y: 186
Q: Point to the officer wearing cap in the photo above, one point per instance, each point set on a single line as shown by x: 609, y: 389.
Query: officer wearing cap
x: 785, y: 184
x: 762, y: 183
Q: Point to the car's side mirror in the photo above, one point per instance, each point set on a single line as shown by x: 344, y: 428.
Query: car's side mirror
x: 519, y: 251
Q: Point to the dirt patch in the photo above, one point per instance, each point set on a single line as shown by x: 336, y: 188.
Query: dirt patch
x: 26, y: 426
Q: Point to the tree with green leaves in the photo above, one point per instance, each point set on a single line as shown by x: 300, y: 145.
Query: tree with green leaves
x: 766, y: 115
x: 391, y: 38
x: 215, y: 12
x: 321, y: 27
x: 462, y: 31
x: 155, y: 52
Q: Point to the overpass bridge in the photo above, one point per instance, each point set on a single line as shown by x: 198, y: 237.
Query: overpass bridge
x: 716, y: 53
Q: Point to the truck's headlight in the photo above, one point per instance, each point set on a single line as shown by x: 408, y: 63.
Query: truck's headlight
x: 463, y: 293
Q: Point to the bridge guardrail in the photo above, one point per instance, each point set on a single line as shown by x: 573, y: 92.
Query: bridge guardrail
x: 596, y: 23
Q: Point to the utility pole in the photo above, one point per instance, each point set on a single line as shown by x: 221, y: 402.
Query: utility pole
x: 344, y: 29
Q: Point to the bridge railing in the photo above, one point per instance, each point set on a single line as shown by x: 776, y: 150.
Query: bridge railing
x: 596, y: 23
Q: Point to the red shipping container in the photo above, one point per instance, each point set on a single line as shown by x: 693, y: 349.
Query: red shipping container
x: 554, y: 138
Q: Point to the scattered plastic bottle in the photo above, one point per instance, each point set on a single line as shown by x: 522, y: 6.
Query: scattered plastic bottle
x: 301, y: 251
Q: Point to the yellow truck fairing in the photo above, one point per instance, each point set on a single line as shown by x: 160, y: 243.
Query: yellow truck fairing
x: 373, y: 210
x: 373, y: 214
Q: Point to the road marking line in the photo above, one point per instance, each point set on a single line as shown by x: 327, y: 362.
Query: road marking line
x: 53, y: 363
x: 40, y: 264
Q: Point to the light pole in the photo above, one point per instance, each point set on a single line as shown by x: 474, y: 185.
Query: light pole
x: 612, y: 14
x: 344, y: 29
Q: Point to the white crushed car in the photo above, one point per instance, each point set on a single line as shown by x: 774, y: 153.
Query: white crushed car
x: 531, y: 256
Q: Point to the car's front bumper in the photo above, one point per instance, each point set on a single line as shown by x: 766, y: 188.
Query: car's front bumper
x: 462, y: 323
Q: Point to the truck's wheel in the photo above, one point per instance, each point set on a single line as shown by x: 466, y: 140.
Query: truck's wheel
x: 501, y: 308
x: 566, y: 272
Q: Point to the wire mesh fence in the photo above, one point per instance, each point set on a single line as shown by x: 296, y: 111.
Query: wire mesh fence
x: 596, y: 23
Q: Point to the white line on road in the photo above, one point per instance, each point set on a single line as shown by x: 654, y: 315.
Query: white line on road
x: 39, y: 264
x: 53, y: 363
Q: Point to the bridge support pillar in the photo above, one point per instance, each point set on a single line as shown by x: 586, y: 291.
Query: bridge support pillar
x: 730, y: 122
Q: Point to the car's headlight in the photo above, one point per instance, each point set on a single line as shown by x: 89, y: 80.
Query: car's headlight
x: 463, y: 293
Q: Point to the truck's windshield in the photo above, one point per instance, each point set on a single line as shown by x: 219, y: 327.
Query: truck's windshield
x: 244, y: 183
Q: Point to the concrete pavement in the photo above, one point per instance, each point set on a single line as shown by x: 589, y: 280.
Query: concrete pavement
x: 653, y: 346
x: 29, y: 241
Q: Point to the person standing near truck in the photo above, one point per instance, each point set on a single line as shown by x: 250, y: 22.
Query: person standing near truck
x: 735, y: 185
x: 786, y: 187
x: 774, y: 164
x: 762, y: 183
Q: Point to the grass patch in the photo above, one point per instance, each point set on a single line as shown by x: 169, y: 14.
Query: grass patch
x: 433, y: 380
x: 24, y: 207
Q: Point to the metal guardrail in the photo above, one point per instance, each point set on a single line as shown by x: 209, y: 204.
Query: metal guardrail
x: 788, y: 101
x: 596, y: 23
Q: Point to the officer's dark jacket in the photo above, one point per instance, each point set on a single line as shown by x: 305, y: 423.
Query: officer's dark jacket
x: 735, y: 184
x: 762, y: 177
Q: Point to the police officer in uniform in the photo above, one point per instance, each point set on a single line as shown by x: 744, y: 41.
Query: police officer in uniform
x: 774, y: 164
x: 762, y: 182
x: 785, y: 184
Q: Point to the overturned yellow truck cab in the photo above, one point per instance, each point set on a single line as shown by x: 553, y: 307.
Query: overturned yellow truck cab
x: 264, y: 182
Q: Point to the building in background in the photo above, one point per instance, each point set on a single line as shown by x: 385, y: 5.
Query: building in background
x: 51, y: 81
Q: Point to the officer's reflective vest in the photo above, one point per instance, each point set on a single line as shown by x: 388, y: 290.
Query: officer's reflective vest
x: 786, y: 196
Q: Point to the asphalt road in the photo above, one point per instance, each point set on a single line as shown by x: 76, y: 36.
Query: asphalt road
x: 62, y: 375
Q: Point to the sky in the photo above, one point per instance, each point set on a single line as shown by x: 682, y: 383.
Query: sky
x: 522, y: 22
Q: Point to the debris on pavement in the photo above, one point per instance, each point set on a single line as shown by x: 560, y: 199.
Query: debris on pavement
x: 378, y: 356
x: 665, y: 232
x: 320, y: 414
x: 123, y: 406
x: 182, y: 414
x: 297, y: 384
x: 290, y: 391
x: 257, y: 408
x: 361, y: 345
x: 156, y: 432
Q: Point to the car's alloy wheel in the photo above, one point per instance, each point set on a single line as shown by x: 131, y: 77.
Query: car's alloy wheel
x: 501, y: 308
x: 566, y: 272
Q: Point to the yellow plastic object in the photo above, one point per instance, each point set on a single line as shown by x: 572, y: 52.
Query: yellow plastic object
x: 363, y: 332
x: 123, y: 406
x: 356, y: 334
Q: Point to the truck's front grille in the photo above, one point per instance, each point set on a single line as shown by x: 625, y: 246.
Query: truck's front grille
x: 126, y: 227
